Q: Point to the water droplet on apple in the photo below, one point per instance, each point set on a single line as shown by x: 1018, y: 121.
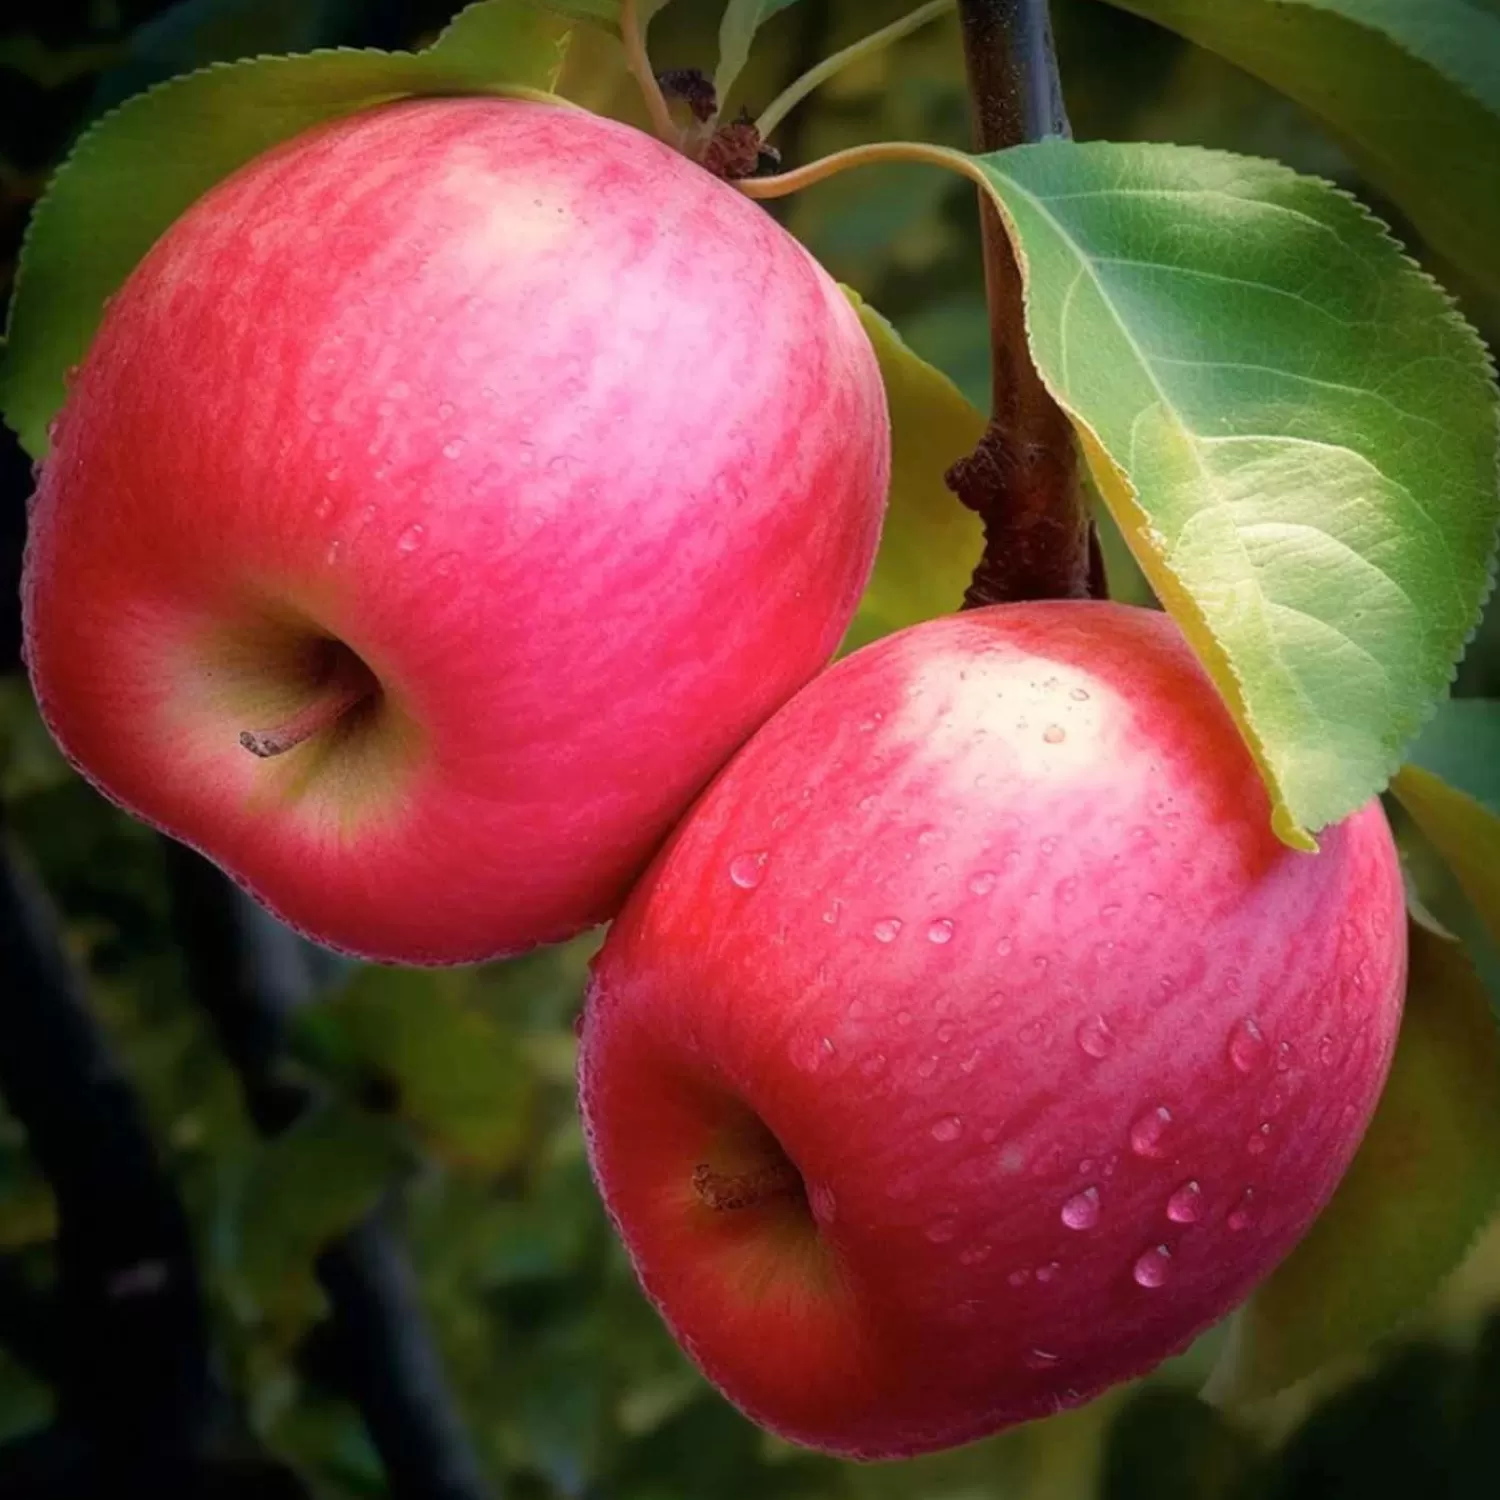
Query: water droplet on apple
x: 1046, y: 1273
x: 323, y: 508
x: 1032, y: 1032
x: 1247, y: 1047
x: 410, y: 539
x: 886, y: 929
x: 453, y: 448
x: 1283, y: 1057
x: 1012, y: 1159
x: 1146, y: 1133
x: 949, y: 1128
x: 1185, y: 1206
x: 1095, y: 1038
x: 1054, y: 734
x: 974, y: 1255
x: 1243, y: 1215
x: 1048, y: 846
x: 1079, y: 695
x: 903, y: 1018
x: 1153, y: 1267
x: 1003, y: 947
x: 1259, y: 1139
x: 1040, y: 1359
x: 445, y: 410
x: 1325, y: 1050
x: 982, y: 882
x: 1081, y: 1211
x: 748, y: 870
x: 940, y: 1231
x: 333, y: 551
x: 1019, y: 1277
x: 940, y: 931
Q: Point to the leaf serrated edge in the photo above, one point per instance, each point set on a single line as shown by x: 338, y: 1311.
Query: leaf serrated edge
x: 1163, y: 577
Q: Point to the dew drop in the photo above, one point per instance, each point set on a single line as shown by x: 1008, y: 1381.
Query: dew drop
x: 1146, y: 1133
x: 940, y: 1231
x: 1185, y: 1206
x: 445, y: 410
x: 1040, y: 1359
x: 324, y: 508
x: 1153, y: 1267
x: 1243, y: 1215
x: 1259, y: 1140
x: 1032, y: 1032
x: 886, y: 929
x: 1067, y: 891
x: 410, y: 539
x: 748, y: 870
x: 454, y: 448
x: 903, y: 1018
x: 1003, y: 947
x: 334, y: 548
x: 1283, y: 1057
x: 1054, y: 734
x: 1325, y: 1050
x: 948, y: 1128
x: 1095, y: 1038
x: 1048, y: 846
x: 1081, y: 1211
x: 946, y: 1032
x: 974, y: 1255
x: 1079, y: 695
x: 1247, y: 1047
x: 1046, y: 1273
x: 982, y: 883
x: 1012, y: 1159
x: 940, y: 931
x: 1019, y: 1277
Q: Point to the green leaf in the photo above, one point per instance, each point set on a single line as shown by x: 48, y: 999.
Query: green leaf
x: 459, y: 1079
x: 306, y: 1187
x: 1423, y: 1184
x: 1462, y: 745
x: 930, y: 542
x: 142, y: 165
x: 1411, y: 86
x: 1464, y: 831
x: 1292, y: 426
x: 742, y: 19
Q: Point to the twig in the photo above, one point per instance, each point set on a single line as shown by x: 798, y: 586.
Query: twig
x: 1023, y: 480
x: 633, y: 34
x: 248, y: 973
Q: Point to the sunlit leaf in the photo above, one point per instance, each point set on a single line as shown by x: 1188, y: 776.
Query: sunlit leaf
x: 1411, y: 86
x: 1423, y: 1184
x: 1293, y: 427
x: 142, y: 165
x: 930, y: 543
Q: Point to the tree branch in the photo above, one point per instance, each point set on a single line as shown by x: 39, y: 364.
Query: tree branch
x: 134, y: 1365
x: 249, y: 972
x: 1023, y: 480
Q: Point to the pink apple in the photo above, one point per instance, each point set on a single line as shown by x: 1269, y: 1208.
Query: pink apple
x: 974, y: 1043
x: 494, y: 458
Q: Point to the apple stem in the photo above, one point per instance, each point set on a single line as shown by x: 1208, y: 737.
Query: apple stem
x: 348, y: 685
x: 728, y: 1191
x: 633, y: 35
x: 1023, y: 480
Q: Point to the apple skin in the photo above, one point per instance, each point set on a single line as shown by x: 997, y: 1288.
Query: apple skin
x: 575, y: 449
x: 987, y: 928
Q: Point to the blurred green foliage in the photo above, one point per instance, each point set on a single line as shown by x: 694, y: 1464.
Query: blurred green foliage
x: 448, y: 1097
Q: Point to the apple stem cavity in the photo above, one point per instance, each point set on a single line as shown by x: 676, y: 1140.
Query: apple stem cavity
x: 727, y: 1192
x: 1023, y: 480
x: 346, y: 685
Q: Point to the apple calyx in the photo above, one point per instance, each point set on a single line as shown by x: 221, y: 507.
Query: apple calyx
x: 729, y: 1191
x: 347, y: 684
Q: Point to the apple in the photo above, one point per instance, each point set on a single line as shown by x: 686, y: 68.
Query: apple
x: 974, y: 1043
x: 444, y: 498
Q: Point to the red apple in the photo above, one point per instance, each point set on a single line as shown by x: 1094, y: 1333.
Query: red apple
x: 974, y: 1043
x: 490, y: 459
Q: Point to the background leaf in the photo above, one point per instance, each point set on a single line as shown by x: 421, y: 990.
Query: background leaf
x: 742, y: 19
x: 1411, y: 86
x: 146, y: 162
x: 1424, y: 1182
x: 457, y: 1076
x: 1294, y: 429
x: 930, y: 543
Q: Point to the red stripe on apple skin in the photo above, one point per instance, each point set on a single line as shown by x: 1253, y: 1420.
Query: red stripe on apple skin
x: 988, y: 926
x: 571, y: 445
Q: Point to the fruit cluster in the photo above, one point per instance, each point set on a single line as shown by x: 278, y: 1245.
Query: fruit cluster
x: 447, y: 497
